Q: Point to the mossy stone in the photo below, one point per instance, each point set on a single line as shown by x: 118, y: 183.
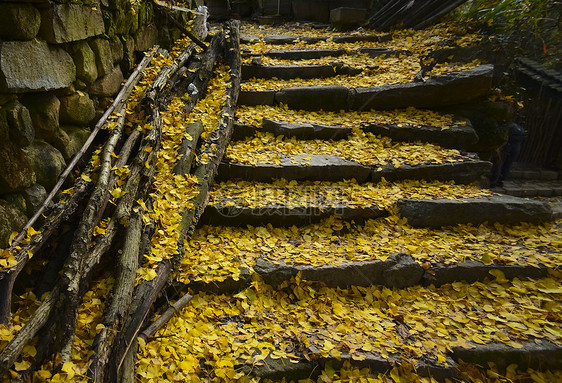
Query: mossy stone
x: 17, y: 171
x: 77, y: 109
x: 11, y: 219
x: 19, y: 21
x: 20, y: 126
x: 47, y: 162
x: 44, y: 111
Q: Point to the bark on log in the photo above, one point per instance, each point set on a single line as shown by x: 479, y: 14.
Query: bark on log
x: 137, y: 188
x: 8, y: 277
x: 187, y: 148
x: 147, y: 292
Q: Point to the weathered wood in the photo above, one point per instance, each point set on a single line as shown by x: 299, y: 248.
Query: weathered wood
x: 12, y: 351
x: 147, y: 292
x: 187, y: 148
x: 180, y: 26
x: 137, y: 187
x: 164, y: 318
x: 8, y: 277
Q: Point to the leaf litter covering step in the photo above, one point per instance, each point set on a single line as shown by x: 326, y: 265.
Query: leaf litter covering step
x: 420, y: 41
x: 363, y: 148
x: 218, y: 252
x: 218, y: 334
x: 292, y: 194
x: 254, y: 115
x: 388, y: 71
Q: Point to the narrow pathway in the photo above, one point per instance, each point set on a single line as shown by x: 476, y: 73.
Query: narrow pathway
x: 348, y: 237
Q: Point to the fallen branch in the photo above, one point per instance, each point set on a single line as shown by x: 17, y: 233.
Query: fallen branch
x: 8, y: 277
x: 164, y: 318
x: 147, y: 292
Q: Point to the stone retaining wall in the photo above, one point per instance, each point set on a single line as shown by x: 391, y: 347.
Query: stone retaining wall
x: 60, y: 64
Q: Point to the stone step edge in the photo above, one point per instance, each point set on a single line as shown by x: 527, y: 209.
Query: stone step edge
x: 281, y: 215
x: 313, y: 54
x: 399, y: 270
x: 466, y: 171
x: 475, y: 82
x: 290, y: 39
x: 543, y: 355
x: 457, y: 136
x: 287, y: 72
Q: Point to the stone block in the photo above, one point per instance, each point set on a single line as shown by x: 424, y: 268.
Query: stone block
x: 305, y: 54
x: 129, y: 55
x: 11, y: 219
x: 303, y: 131
x: 17, y: 173
x: 549, y: 175
x: 146, y: 37
x: 19, y: 21
x: 331, y: 97
x: 256, y: 97
x: 77, y: 109
x: 30, y: 66
x: 116, y: 49
x: 63, y: 23
x: 77, y: 136
x: 21, y: 130
x: 447, y: 89
x: 541, y: 353
x: 44, y: 110
x: 108, y: 85
x: 47, y: 162
x: 34, y: 197
x: 103, y: 55
x: 17, y: 200
x: 287, y: 72
x: 85, y: 61
x: 314, y: 167
x: 346, y: 16
x: 501, y: 209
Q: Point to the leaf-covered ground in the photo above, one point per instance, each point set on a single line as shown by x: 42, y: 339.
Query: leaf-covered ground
x: 376, y: 71
x: 301, y: 320
x: 333, y: 194
x: 364, y: 148
x: 218, y: 252
x: 254, y: 115
x: 215, y: 335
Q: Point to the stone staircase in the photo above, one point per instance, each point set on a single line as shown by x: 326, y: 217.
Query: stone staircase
x: 364, y: 248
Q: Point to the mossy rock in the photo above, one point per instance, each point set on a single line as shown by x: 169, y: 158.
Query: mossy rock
x: 11, y: 219
x: 17, y: 171
x: 19, y: 21
x: 47, y: 162
x: 44, y: 111
x: 20, y: 126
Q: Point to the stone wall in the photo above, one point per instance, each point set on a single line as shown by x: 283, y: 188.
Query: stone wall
x: 60, y: 63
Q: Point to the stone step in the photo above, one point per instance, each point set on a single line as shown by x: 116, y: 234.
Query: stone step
x: 399, y: 270
x: 298, y: 167
x: 305, y: 54
x: 331, y: 168
x: 442, y: 90
x: 301, y: 327
x: 290, y: 39
x: 296, y: 71
x: 457, y: 136
x: 282, y: 369
x: 300, y: 131
x: 377, y: 52
x: 446, y: 212
x: 313, y: 54
x: 281, y: 215
x: 529, y: 188
x: 543, y: 355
